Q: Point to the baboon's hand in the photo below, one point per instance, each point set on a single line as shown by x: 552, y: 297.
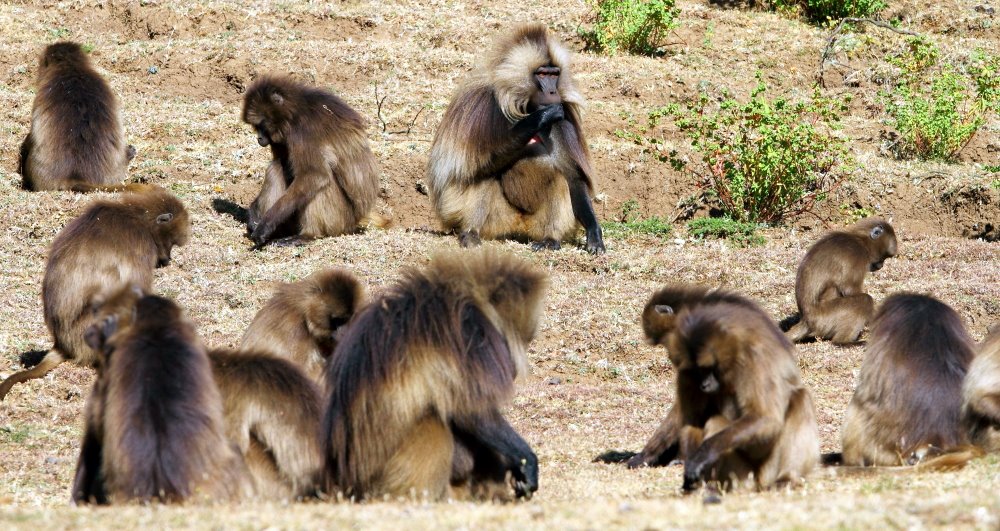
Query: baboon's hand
x: 595, y: 241
x: 261, y: 234
x: 526, y: 477
x: 549, y: 115
x: 637, y: 461
x: 693, y: 468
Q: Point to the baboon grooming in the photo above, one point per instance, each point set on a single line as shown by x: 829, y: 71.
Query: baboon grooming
x: 302, y: 320
x: 154, y: 426
x: 76, y: 141
x: 110, y: 245
x: 981, y: 392
x: 509, y: 158
x: 323, y: 180
x: 908, y: 401
x: 740, y: 406
x: 829, y: 285
x: 424, y: 369
x: 272, y: 412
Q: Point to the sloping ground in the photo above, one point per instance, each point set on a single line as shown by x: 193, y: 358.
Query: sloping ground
x: 595, y: 383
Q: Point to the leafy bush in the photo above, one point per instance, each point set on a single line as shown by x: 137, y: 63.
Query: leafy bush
x: 632, y: 26
x: 938, y: 106
x: 765, y: 159
x: 630, y: 223
x: 742, y: 234
x: 828, y: 10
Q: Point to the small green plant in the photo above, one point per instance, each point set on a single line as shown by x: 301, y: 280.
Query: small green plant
x: 825, y: 11
x: 855, y: 213
x: 739, y: 233
x: 765, y: 159
x: 938, y: 106
x: 631, y: 26
x: 630, y: 223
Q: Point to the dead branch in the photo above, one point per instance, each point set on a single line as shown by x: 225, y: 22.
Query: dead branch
x: 378, y: 111
x: 828, y: 50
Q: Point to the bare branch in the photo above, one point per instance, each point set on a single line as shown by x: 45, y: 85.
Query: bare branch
x: 378, y: 111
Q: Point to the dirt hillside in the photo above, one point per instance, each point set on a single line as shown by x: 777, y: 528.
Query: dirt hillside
x: 179, y: 69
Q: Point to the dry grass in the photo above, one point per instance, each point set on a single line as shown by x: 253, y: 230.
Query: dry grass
x: 613, y: 389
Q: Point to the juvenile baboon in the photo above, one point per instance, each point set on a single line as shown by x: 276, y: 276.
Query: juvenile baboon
x: 154, y: 426
x: 323, y: 180
x: 110, y: 245
x: 829, y: 285
x: 981, y: 394
x: 303, y: 319
x: 272, y: 412
x: 509, y: 158
x: 425, y: 367
x: 740, y: 406
x: 76, y: 140
x: 908, y: 402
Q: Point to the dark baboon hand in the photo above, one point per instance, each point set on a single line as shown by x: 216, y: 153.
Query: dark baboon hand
x: 546, y: 244
x: 693, y: 468
x: 637, y: 461
x: 526, y: 477
x: 595, y: 241
x: 549, y: 115
x: 469, y: 238
x: 261, y: 234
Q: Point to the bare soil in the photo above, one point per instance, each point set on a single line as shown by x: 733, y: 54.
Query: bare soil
x: 179, y: 69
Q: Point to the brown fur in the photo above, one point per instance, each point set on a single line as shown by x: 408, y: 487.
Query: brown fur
x: 428, y: 363
x: 110, y: 245
x: 981, y: 394
x: 303, y: 319
x: 486, y: 179
x: 272, y: 413
x: 154, y: 426
x: 323, y: 179
x: 829, y: 285
x: 740, y: 406
x: 908, y: 400
x: 76, y: 140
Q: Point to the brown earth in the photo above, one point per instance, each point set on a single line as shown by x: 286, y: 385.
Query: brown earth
x: 179, y: 69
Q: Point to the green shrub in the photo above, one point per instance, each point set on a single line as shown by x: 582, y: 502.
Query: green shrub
x: 632, y: 26
x: 742, y: 234
x: 822, y: 11
x: 765, y: 159
x: 630, y: 223
x: 938, y: 106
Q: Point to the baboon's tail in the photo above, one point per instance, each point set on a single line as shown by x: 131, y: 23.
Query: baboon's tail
x: 49, y: 361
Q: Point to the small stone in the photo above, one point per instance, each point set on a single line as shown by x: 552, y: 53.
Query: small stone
x: 552, y: 380
x: 422, y: 187
x: 153, y: 70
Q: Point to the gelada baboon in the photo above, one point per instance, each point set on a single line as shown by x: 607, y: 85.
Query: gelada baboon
x: 272, y: 412
x: 907, y: 405
x: 659, y: 319
x: 981, y: 392
x: 76, y: 140
x: 424, y: 369
x: 740, y: 406
x: 110, y: 245
x: 509, y: 158
x: 829, y: 285
x: 153, y: 421
x: 303, y: 319
x: 323, y: 180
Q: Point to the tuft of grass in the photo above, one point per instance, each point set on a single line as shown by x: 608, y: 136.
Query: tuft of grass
x: 737, y: 232
x: 630, y: 223
x: 14, y: 435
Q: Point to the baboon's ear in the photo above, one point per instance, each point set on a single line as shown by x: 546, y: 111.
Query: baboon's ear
x: 164, y: 218
x: 664, y: 309
x: 877, y: 231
